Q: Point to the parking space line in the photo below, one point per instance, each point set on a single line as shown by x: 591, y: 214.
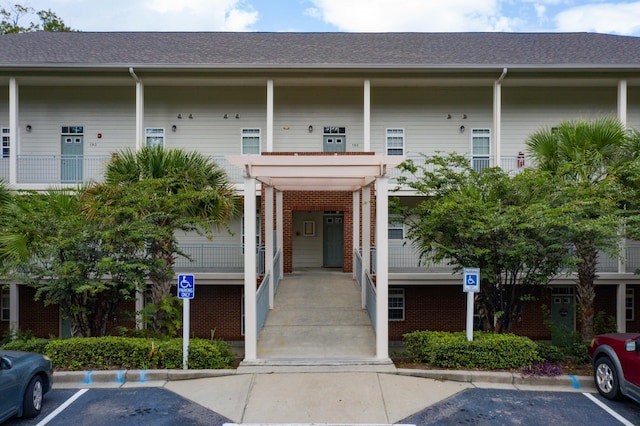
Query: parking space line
x: 602, y: 405
x: 62, y: 407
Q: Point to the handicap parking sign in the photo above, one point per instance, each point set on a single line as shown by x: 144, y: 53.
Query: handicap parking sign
x: 186, y: 286
x: 471, y: 280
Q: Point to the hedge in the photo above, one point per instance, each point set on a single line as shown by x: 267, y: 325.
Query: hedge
x: 486, y: 351
x: 107, y: 353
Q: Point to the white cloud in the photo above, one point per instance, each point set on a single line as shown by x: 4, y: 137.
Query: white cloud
x: 413, y: 15
x: 617, y: 18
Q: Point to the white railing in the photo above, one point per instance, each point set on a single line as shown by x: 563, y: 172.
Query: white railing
x: 262, y: 302
x: 215, y: 258
x: 371, y: 301
x: 61, y: 168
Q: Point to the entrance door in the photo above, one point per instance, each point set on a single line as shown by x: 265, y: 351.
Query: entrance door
x: 334, y: 143
x: 563, y: 308
x: 72, y: 156
x: 333, y: 239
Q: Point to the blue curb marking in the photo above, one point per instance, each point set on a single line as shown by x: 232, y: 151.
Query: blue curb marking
x: 120, y: 378
x: 576, y: 385
x: 143, y: 376
x: 87, y: 377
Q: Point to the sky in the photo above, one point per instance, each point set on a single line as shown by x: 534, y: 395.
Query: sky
x: 602, y: 16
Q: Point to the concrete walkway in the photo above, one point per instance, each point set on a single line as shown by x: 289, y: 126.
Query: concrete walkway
x: 317, y: 315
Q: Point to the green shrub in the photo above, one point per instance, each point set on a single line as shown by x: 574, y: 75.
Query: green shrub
x: 486, y: 351
x: 27, y: 345
x: 551, y: 353
x: 106, y: 353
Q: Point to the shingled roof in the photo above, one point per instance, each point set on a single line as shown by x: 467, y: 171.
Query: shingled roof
x: 321, y: 50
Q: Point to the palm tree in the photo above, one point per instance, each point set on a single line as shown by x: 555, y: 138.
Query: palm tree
x: 585, y: 159
x: 173, y: 190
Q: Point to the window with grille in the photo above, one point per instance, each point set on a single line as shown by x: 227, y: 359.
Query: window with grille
x: 396, y: 304
x: 395, y: 141
x: 396, y: 227
x: 5, y: 303
x: 250, y: 141
x: 629, y: 305
x: 480, y: 149
x: 154, y: 137
x: 6, y: 142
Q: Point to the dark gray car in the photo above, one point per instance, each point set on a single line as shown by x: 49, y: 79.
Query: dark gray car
x: 24, y: 379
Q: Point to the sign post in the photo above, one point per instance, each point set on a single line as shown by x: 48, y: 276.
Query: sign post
x: 470, y: 285
x: 186, y: 292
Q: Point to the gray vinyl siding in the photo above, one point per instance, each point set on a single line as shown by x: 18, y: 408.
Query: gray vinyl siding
x: 4, y: 106
x: 109, y: 111
x: 307, y: 251
x: 527, y: 109
x: 208, y: 131
x: 218, y: 236
x: 423, y: 112
x: 633, y: 107
x: 297, y: 108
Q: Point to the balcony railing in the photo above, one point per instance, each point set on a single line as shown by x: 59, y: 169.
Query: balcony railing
x: 74, y: 169
x: 61, y: 168
x: 215, y: 258
x: 405, y: 259
x: 510, y: 165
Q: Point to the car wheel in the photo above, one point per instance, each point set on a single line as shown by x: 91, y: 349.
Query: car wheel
x: 32, y: 403
x: 606, y: 378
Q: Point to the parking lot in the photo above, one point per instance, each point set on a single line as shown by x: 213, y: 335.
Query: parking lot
x: 159, y: 406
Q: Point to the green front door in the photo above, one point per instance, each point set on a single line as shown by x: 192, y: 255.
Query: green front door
x: 333, y: 240
x: 72, y: 156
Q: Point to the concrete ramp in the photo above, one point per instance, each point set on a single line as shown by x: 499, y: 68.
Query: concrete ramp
x: 317, y: 315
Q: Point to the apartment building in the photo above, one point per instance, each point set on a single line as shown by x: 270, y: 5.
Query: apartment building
x: 310, y: 127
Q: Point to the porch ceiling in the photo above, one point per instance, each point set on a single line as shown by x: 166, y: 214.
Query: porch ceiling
x: 315, y: 172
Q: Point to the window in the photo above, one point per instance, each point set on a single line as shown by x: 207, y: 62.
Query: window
x: 154, y: 137
x: 395, y: 141
x: 396, y: 304
x: 6, y: 145
x: 250, y: 141
x: 396, y: 227
x: 481, y: 149
x: 628, y: 305
x: 5, y: 303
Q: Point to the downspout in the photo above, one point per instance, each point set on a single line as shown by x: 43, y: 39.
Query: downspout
x: 497, y: 117
x: 139, y: 109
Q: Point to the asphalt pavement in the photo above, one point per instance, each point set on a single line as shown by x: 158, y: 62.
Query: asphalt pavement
x: 328, y: 394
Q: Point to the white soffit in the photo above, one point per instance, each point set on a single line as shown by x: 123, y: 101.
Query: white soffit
x: 315, y: 172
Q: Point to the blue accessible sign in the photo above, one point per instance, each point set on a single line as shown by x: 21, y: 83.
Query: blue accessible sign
x: 471, y: 280
x: 186, y: 286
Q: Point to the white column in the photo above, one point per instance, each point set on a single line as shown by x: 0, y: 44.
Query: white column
x: 621, y: 301
x: 139, y: 114
x: 366, y: 240
x: 497, y: 123
x: 367, y: 116
x: 139, y: 307
x: 622, y: 102
x: 280, y: 229
x: 14, y: 130
x: 14, y: 308
x: 356, y: 229
x: 268, y: 239
x: 250, y: 278
x: 382, y: 267
x: 269, y: 115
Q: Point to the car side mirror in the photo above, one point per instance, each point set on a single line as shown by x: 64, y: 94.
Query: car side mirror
x: 5, y: 364
x: 631, y: 346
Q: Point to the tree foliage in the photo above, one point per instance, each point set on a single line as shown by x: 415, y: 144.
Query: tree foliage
x: 171, y: 190
x: 591, y: 167
x: 12, y: 20
x: 490, y: 220
x: 88, y: 267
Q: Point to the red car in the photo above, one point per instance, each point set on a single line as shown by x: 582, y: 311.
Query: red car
x: 616, y: 364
